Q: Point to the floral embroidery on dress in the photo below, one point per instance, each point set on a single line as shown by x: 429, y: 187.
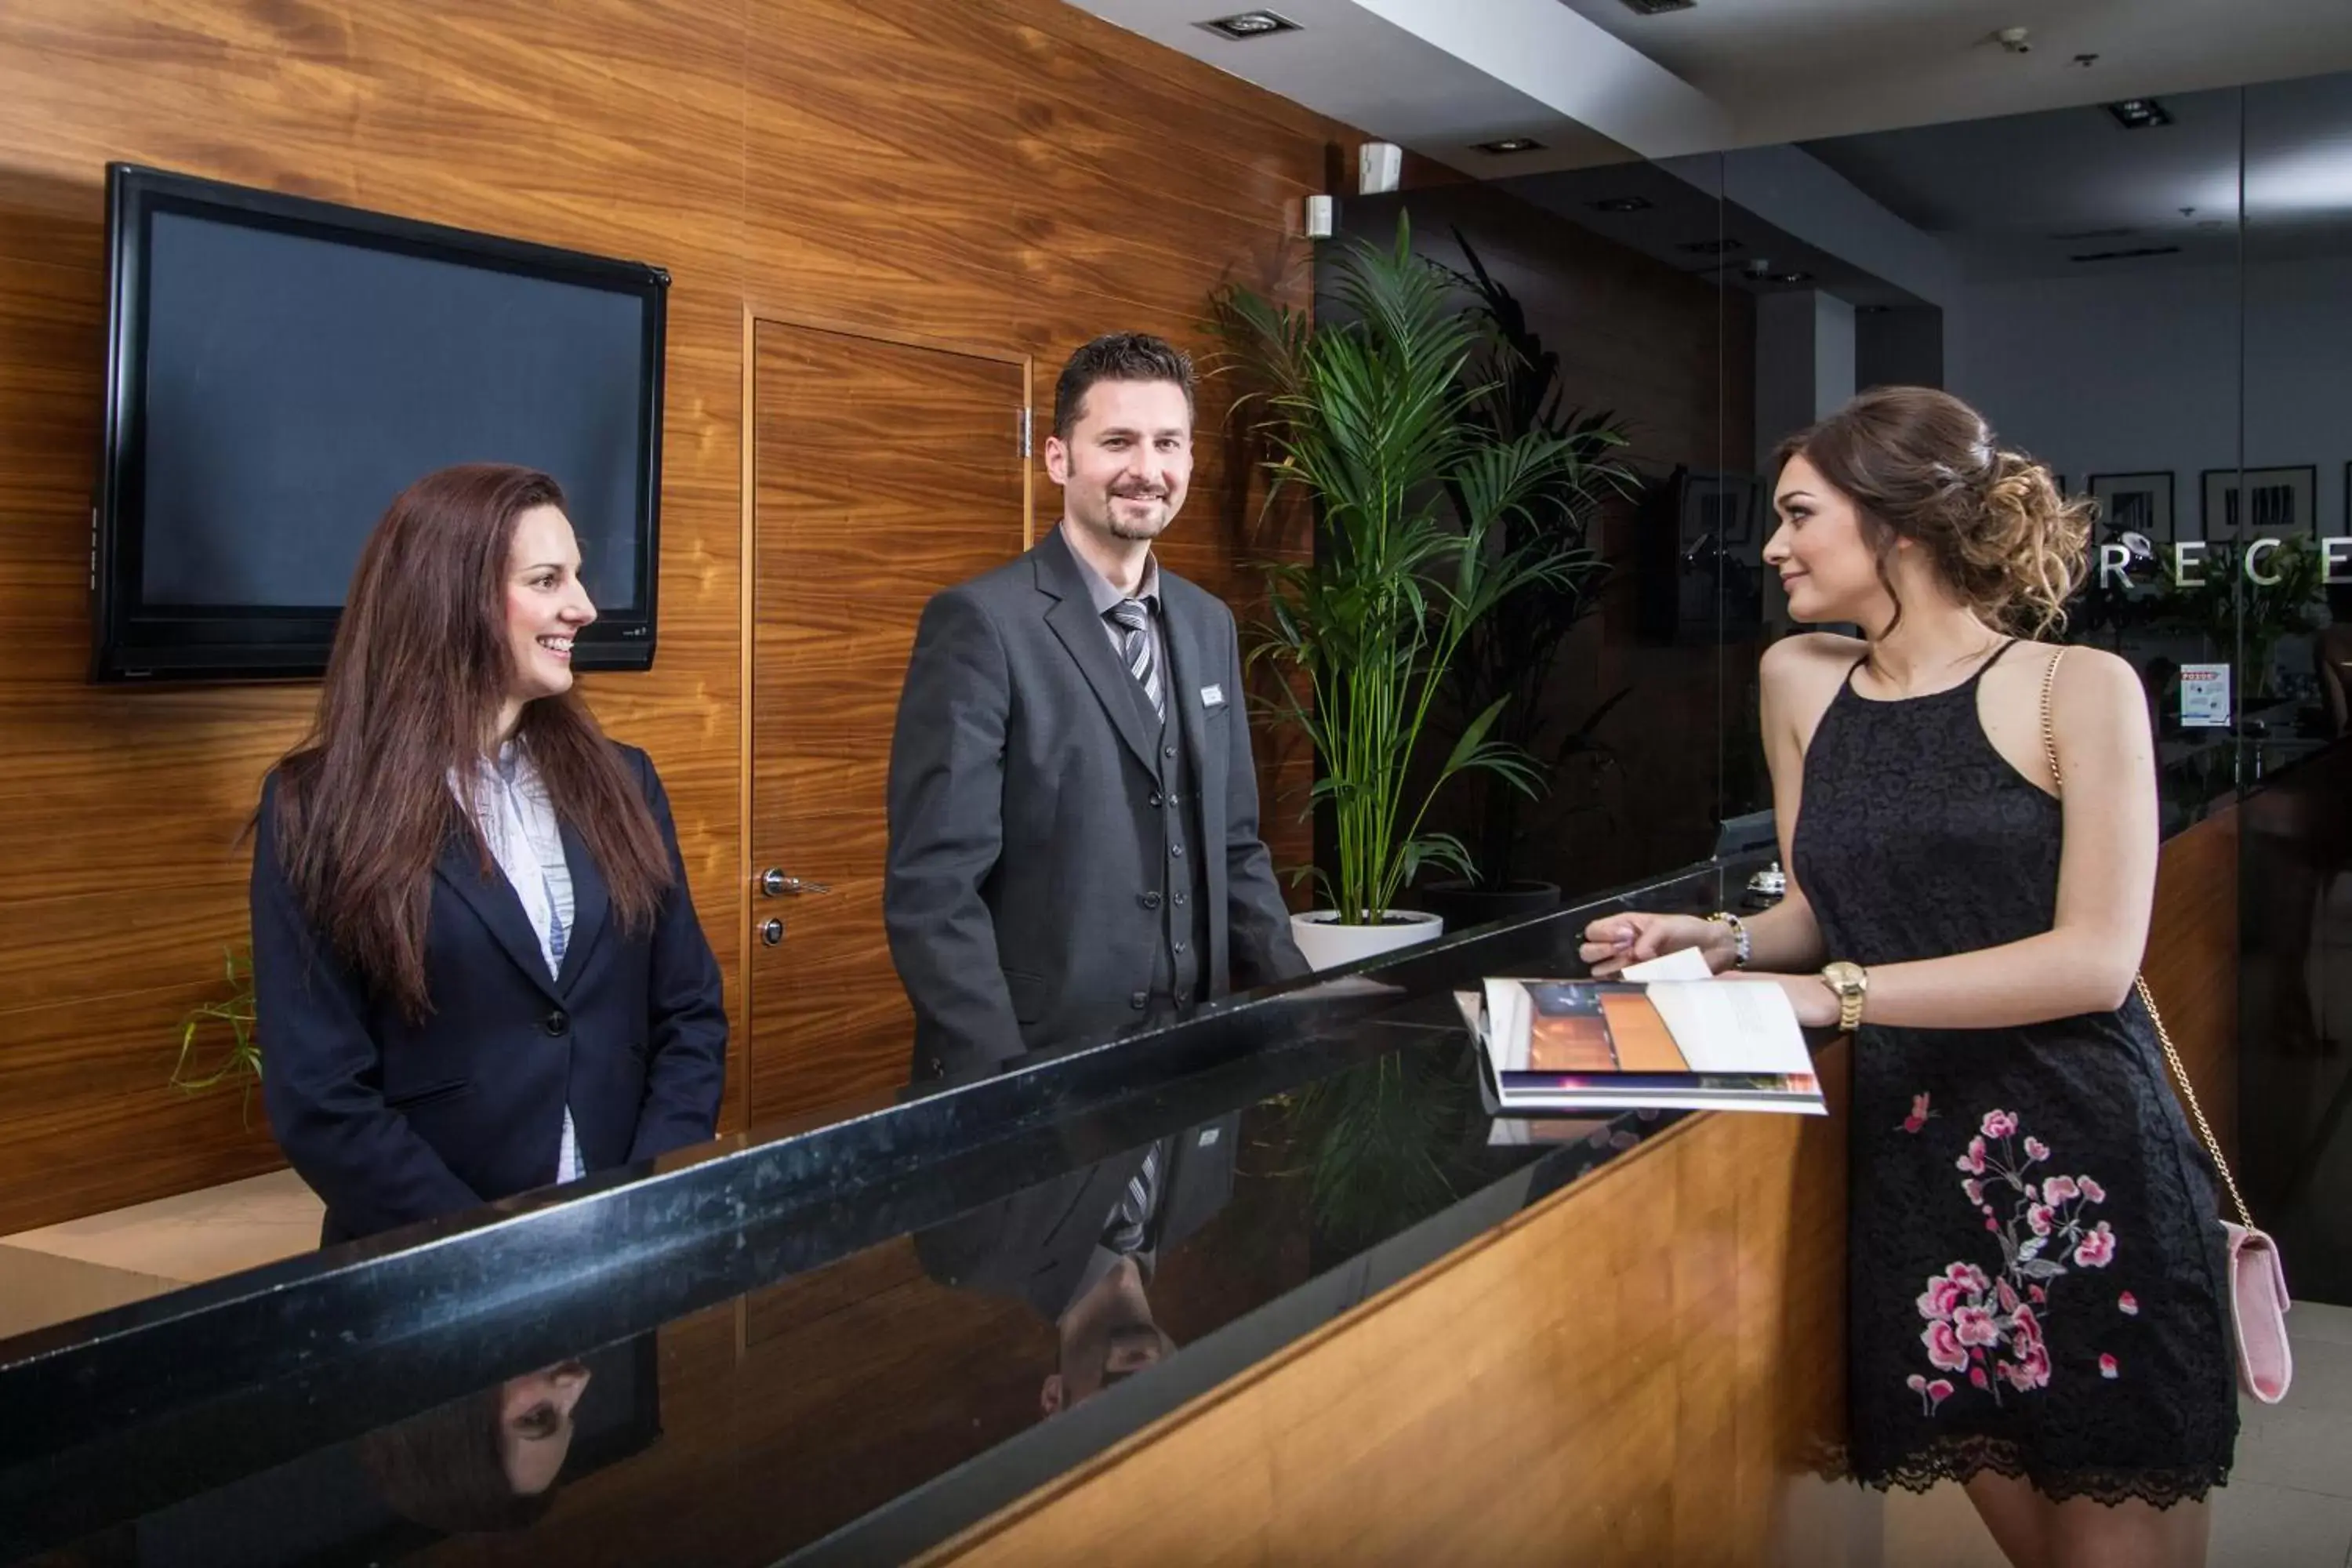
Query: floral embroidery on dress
x: 1988, y: 1327
x: 1931, y: 1395
x: 1920, y: 1115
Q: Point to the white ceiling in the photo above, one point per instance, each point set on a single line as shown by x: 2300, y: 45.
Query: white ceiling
x: 2024, y: 195
x: 1796, y: 71
x: 1595, y: 81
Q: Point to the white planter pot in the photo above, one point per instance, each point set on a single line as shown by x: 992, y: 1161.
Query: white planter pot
x: 1327, y: 944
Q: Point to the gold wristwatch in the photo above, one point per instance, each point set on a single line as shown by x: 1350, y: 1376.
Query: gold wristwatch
x: 1851, y: 984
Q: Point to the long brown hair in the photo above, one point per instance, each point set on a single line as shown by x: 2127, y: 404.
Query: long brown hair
x: 420, y: 667
x: 1919, y: 464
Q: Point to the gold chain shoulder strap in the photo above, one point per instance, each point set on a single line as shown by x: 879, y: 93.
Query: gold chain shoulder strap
x: 2146, y: 998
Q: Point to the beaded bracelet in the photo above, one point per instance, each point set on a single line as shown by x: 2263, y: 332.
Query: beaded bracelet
x: 1740, y: 948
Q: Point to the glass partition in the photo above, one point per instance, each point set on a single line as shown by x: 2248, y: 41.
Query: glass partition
x: 2294, y: 642
x: 1602, y: 290
x: 2080, y: 284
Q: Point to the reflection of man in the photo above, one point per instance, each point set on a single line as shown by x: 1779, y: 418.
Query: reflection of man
x: 1074, y: 844
x: 1082, y: 1251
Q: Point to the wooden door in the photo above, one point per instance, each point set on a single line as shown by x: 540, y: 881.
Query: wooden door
x: 881, y: 473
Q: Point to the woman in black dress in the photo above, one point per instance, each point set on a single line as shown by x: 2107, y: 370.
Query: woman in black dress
x: 2036, y: 1275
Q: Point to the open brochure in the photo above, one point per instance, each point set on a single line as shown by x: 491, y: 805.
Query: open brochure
x: 1570, y: 1046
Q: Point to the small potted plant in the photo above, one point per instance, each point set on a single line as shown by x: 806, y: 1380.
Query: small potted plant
x: 1372, y: 414
x: 239, y: 1061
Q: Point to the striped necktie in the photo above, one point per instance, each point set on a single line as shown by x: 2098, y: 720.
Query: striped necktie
x: 1134, y: 622
x: 1125, y: 1232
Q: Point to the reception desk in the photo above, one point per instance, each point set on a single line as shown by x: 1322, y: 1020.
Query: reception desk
x: 1374, y: 1325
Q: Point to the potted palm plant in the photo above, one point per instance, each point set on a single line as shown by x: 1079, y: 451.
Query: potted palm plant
x: 1371, y: 415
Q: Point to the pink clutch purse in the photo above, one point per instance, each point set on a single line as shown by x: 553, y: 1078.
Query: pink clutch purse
x: 2258, y: 1303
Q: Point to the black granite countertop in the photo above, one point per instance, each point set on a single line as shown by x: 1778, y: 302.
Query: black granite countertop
x: 836, y: 1343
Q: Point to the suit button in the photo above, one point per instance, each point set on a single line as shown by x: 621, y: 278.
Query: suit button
x: 1167, y: 750
x: 1177, y: 850
x: 1155, y: 797
x: 1138, y: 999
x: 1149, y: 900
x: 1180, y: 901
x: 1179, y: 947
x: 557, y: 1023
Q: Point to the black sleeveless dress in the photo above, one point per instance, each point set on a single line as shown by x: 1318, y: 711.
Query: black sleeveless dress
x: 2036, y: 1277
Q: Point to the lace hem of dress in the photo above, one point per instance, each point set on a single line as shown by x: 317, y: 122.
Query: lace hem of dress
x: 1963, y: 1459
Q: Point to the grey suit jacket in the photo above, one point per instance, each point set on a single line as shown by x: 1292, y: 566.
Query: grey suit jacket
x: 1025, y: 825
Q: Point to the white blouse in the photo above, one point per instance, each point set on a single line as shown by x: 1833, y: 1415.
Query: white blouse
x: 510, y: 806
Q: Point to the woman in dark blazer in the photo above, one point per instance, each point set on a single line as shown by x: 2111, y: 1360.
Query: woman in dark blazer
x: 477, y: 967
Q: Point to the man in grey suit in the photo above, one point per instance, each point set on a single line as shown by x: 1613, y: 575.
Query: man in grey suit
x: 1073, y: 816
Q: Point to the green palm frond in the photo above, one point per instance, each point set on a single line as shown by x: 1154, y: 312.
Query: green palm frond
x: 1374, y: 414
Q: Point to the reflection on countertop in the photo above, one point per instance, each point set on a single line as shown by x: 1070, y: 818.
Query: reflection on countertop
x: 843, y: 1341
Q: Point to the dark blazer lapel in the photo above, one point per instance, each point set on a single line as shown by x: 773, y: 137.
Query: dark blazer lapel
x: 492, y: 898
x: 592, y: 905
x: 1082, y: 631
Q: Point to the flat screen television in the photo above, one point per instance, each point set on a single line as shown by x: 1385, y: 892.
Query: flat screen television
x: 278, y: 369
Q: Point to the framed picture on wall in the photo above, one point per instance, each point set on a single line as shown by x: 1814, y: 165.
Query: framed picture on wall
x: 1721, y: 511
x: 2262, y: 503
x: 2134, y: 503
x: 1699, y: 560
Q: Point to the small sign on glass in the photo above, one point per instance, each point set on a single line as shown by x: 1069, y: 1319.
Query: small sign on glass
x: 2204, y: 696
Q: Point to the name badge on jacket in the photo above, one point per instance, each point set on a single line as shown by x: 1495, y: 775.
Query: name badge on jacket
x: 1213, y: 697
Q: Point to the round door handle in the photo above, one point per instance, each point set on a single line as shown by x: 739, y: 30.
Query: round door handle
x: 771, y: 930
x: 774, y: 884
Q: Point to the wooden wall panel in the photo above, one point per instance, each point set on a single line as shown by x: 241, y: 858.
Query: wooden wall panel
x: 1006, y: 172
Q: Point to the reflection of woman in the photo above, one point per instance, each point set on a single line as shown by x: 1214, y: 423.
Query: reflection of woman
x: 484, y: 1463
x: 2037, y: 1303
x: 477, y: 967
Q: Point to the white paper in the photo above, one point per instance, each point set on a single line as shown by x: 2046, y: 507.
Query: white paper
x: 1684, y: 963
x: 1734, y: 1026
x: 1510, y: 1019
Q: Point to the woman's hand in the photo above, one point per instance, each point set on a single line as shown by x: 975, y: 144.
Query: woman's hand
x: 1816, y: 1005
x: 1615, y: 941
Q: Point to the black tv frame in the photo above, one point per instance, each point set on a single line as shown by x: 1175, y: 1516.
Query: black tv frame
x: 133, y: 642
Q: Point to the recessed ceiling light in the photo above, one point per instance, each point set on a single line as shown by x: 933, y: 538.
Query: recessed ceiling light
x: 2139, y: 113
x: 1658, y: 7
x: 1711, y: 247
x: 1791, y: 277
x: 2084, y: 62
x: 1244, y: 25
x: 1511, y: 144
x: 1620, y: 204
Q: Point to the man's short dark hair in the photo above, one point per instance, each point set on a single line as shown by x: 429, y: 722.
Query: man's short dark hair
x: 1117, y: 356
